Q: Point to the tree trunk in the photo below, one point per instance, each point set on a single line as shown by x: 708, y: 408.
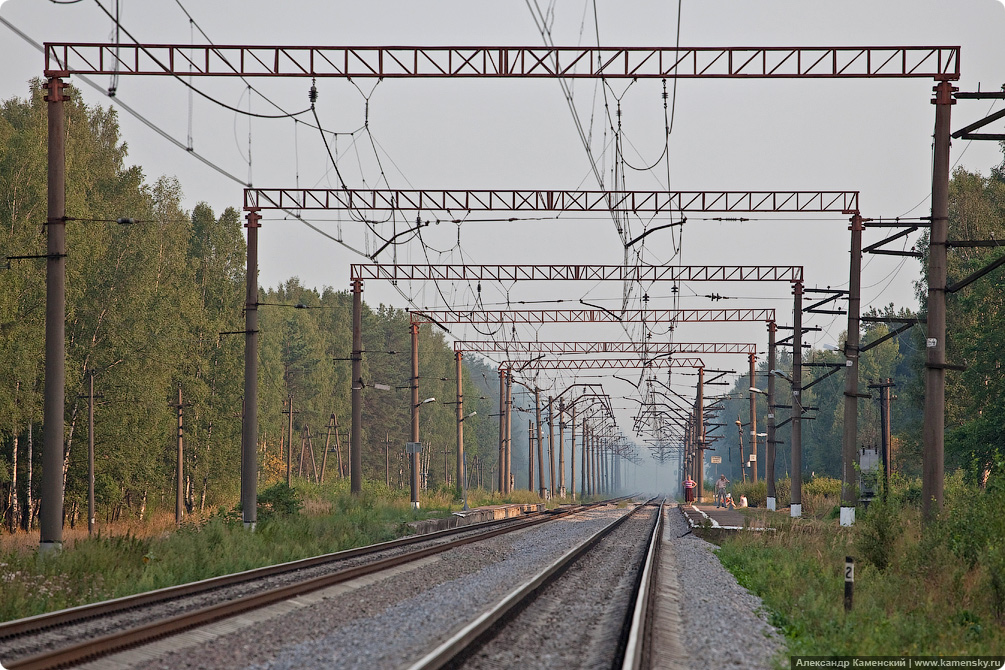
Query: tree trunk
x: 143, y: 505
x: 14, y: 502
x: 31, y: 506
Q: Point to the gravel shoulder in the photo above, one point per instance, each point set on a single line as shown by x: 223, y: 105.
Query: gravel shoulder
x: 723, y: 623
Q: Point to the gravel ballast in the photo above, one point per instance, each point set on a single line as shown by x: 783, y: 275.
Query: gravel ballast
x: 392, y: 621
x: 723, y: 623
x: 389, y: 621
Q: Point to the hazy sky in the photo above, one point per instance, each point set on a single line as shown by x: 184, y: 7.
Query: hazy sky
x: 873, y: 136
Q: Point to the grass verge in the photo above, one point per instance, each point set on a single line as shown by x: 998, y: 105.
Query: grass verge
x: 307, y: 521
x: 938, y: 590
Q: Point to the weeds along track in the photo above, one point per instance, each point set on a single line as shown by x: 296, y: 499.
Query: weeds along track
x: 74, y: 635
x: 588, y: 609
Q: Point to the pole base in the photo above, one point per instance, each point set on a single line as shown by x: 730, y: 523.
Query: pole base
x: 46, y: 548
x: 771, y: 503
x: 796, y: 510
x: 250, y: 526
x: 415, y: 504
x: 847, y: 516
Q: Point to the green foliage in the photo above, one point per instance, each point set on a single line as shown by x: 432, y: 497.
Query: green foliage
x: 878, y: 529
x: 146, y: 306
x: 104, y: 567
x: 955, y: 606
x: 278, y: 500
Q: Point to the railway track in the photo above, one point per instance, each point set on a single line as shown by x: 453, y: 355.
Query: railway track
x: 590, y: 608
x: 68, y: 637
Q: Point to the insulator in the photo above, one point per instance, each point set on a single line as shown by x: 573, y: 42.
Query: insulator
x: 312, y: 95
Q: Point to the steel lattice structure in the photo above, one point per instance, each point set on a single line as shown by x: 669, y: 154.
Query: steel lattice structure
x: 649, y: 349
x: 387, y: 62
x: 536, y: 316
x: 499, y: 200
x: 515, y: 273
x: 602, y: 363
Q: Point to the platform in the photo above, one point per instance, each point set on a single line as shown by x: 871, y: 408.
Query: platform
x: 476, y: 515
x: 719, y: 517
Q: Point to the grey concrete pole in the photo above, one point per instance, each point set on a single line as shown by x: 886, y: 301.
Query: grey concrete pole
x: 500, y: 471
x: 849, y: 438
x: 753, y: 418
x: 530, y: 455
x: 54, y: 399
x: 934, y: 426
x: 540, y: 444
x: 796, y: 507
x: 561, y: 447
x: 586, y: 463
x: 769, y: 464
x: 249, y: 429
x: 356, y: 434
x: 551, y: 446
x: 460, y: 425
x: 413, y: 459
x: 509, y: 432
x: 572, y: 454
x: 700, y: 434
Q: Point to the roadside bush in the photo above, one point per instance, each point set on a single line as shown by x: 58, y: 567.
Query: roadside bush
x: 877, y: 531
x: 278, y: 500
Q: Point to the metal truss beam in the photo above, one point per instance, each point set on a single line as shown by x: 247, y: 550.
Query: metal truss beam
x: 938, y: 62
x: 501, y: 200
x: 535, y: 316
x: 620, y: 347
x: 602, y: 363
x: 619, y: 273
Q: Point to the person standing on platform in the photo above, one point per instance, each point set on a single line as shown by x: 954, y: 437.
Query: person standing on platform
x: 689, y: 490
x: 720, y: 490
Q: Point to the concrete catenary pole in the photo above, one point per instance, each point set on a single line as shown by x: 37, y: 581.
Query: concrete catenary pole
x: 530, y: 455
x: 356, y: 386
x: 249, y: 429
x: 460, y: 425
x: 54, y: 399
x: 501, y: 470
x: 933, y: 431
x: 849, y: 438
x: 572, y: 454
x: 586, y: 463
x: 769, y: 463
x: 509, y: 432
x: 551, y: 445
x: 753, y: 419
x: 561, y: 447
x: 700, y: 434
x: 540, y: 445
x: 413, y: 458
x: 796, y: 507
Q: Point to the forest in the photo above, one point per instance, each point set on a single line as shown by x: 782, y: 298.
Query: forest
x: 153, y: 307
x: 156, y: 306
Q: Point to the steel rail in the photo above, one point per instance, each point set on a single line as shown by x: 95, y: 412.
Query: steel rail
x: 635, y: 645
x: 107, y: 644
x: 40, y: 622
x: 469, y: 637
